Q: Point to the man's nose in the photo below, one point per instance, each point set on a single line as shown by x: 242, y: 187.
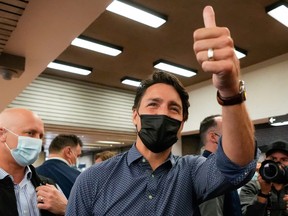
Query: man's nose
x: 163, y: 110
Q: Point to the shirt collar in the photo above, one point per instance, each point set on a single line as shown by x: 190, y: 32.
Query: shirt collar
x: 3, y: 173
x: 206, y: 153
x: 134, y: 154
x: 28, y: 173
x: 59, y: 158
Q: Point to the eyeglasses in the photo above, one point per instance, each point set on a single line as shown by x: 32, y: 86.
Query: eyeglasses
x: 216, y: 134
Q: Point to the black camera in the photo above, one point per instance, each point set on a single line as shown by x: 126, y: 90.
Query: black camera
x: 272, y: 171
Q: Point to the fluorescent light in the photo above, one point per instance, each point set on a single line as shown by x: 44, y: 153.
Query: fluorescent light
x: 279, y: 120
x: 130, y: 81
x: 110, y: 142
x: 240, y: 53
x: 97, y: 46
x: 137, y: 13
x: 69, y: 68
x: 279, y: 11
x: 174, y: 68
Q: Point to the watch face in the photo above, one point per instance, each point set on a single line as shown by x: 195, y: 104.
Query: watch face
x: 241, y: 86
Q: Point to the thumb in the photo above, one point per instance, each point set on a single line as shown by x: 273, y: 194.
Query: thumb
x: 209, y: 17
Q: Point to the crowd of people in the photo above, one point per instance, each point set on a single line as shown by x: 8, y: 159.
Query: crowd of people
x: 149, y: 179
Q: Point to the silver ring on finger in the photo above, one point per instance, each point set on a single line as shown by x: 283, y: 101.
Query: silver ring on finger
x: 210, y: 54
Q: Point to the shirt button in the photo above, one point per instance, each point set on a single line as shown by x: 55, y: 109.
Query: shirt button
x: 150, y: 197
x: 143, y: 160
x: 152, y: 175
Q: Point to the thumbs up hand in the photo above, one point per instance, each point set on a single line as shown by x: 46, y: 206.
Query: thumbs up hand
x: 214, y: 49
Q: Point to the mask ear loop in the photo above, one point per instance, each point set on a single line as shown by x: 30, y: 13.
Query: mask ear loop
x: 11, y: 132
x: 73, y: 156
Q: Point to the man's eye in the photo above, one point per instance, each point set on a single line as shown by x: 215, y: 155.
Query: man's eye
x: 176, y: 109
x: 30, y: 133
x: 152, y: 104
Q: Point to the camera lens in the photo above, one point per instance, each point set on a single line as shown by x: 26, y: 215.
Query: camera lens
x: 270, y: 171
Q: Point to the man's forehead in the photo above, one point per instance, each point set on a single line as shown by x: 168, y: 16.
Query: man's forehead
x: 161, y: 91
x: 278, y: 153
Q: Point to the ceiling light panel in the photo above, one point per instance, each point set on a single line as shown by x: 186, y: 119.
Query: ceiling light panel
x: 66, y: 67
x: 279, y: 11
x: 174, y: 68
x: 240, y: 53
x: 97, y: 46
x: 137, y: 13
x: 131, y: 81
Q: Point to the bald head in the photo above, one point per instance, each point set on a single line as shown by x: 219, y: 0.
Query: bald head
x: 17, y: 119
x: 15, y: 123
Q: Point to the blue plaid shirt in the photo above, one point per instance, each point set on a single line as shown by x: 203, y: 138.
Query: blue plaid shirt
x: 126, y: 185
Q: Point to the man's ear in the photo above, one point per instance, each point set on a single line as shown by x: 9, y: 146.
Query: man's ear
x: 134, y: 117
x: 213, y: 137
x: 2, y: 134
x: 66, y: 151
x: 2, y: 130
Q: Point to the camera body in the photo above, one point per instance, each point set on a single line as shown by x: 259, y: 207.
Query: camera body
x: 272, y: 171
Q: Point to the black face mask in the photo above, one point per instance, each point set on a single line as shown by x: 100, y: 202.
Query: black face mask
x: 158, y: 132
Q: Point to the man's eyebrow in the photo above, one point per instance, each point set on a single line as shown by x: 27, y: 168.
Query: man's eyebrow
x: 171, y: 103
x: 156, y: 99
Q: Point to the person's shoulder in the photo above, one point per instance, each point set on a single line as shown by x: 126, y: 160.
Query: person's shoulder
x: 252, y: 185
x: 117, y: 159
x: 50, y: 164
x: 193, y: 158
x: 98, y: 173
x: 107, y: 165
x: 187, y: 161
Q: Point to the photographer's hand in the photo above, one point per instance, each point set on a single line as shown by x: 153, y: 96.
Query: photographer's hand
x: 265, y: 188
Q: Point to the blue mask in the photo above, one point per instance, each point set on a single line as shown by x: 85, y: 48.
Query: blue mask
x: 27, y: 150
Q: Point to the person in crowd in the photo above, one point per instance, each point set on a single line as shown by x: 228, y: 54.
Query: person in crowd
x: 64, y: 151
x: 268, y: 195
x: 229, y: 203
x: 22, y: 190
x: 148, y: 179
x: 102, y: 156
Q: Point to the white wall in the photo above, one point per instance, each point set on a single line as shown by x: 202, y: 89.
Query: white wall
x: 267, y: 93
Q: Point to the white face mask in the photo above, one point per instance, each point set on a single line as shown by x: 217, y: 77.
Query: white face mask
x: 27, y: 150
x: 76, y: 161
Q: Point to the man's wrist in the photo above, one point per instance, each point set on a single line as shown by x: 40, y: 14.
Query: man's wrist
x: 264, y: 195
x: 239, y: 98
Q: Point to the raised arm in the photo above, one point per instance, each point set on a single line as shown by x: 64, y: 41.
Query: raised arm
x: 221, y: 61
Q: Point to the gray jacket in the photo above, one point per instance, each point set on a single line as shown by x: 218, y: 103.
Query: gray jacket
x: 275, y: 205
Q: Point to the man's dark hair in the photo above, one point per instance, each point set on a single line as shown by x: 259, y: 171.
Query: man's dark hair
x: 166, y: 78
x: 205, y: 125
x: 63, y: 140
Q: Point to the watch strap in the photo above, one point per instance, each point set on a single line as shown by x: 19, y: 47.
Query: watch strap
x: 236, y: 99
x: 263, y: 195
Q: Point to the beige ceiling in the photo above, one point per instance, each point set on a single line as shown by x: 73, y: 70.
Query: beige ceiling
x: 252, y: 29
x: 42, y: 30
